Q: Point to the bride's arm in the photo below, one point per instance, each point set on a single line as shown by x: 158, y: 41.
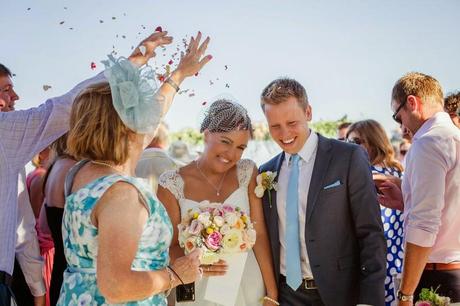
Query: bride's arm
x: 172, y: 207
x: 262, y: 249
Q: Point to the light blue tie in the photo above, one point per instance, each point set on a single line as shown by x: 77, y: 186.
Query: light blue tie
x: 293, y: 269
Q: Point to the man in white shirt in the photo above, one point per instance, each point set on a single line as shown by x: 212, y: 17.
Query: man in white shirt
x: 27, y: 248
x: 22, y: 135
x: 430, y: 190
x: 154, y: 160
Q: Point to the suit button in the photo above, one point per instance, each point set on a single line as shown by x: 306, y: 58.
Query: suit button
x: 363, y: 268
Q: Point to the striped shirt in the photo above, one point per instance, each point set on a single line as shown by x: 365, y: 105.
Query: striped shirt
x: 23, y: 134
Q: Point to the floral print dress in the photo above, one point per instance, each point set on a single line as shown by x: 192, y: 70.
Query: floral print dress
x: 80, y: 238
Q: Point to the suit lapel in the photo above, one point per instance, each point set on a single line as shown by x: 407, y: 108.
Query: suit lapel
x: 273, y: 221
x: 322, y: 159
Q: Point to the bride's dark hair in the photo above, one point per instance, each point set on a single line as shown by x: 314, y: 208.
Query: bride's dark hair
x: 226, y: 116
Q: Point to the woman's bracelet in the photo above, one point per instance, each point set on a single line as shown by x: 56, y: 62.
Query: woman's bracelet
x: 175, y: 273
x: 266, y: 298
x: 171, y: 281
x: 173, y: 84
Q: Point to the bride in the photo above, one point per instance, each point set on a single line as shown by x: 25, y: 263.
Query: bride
x: 220, y: 175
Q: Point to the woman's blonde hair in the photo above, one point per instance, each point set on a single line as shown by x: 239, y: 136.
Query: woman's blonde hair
x: 96, y: 131
x: 376, y: 140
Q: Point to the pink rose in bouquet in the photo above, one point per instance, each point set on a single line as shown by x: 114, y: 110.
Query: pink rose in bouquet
x: 213, y: 241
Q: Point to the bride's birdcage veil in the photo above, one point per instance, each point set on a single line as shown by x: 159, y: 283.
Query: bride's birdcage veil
x: 225, y: 115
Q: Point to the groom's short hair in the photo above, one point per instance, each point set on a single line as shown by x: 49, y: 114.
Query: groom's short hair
x: 279, y: 90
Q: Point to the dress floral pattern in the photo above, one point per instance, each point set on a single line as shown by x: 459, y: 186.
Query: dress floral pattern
x: 81, y: 243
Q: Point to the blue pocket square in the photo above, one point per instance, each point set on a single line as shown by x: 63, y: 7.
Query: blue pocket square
x: 335, y: 184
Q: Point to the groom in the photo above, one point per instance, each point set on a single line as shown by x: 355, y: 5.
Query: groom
x: 324, y: 220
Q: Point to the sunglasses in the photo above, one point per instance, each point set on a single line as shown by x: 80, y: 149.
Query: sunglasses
x: 355, y: 140
x: 395, y: 115
x: 342, y: 139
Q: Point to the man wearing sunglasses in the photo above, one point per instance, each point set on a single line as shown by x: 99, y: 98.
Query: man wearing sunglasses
x: 429, y: 190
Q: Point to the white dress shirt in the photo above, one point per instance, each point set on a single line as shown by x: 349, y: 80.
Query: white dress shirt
x: 431, y: 189
x: 23, y: 134
x: 152, y: 164
x: 27, y: 248
x: 307, y: 160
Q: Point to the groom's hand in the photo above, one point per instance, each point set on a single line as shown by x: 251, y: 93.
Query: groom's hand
x: 217, y: 269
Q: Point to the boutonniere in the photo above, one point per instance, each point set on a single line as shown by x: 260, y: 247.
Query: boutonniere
x: 266, y: 181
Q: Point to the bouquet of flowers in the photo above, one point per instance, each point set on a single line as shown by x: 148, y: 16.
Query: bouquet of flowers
x: 217, y: 229
x: 429, y: 297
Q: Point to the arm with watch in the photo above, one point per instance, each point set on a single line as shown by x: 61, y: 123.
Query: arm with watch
x: 415, y: 260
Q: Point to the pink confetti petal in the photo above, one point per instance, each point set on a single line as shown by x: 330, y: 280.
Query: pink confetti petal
x: 158, y: 29
x: 93, y: 65
x: 170, y: 62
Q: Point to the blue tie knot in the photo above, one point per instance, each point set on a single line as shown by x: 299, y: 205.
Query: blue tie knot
x: 294, y: 159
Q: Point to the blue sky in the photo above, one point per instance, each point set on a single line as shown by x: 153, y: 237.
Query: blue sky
x: 347, y: 54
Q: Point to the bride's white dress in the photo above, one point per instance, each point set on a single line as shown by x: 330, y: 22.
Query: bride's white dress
x: 251, y: 288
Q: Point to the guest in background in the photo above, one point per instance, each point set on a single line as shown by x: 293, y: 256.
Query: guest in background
x: 34, y: 180
x: 342, y: 130
x: 372, y: 136
x: 154, y: 160
x: 452, y: 107
x: 180, y: 153
x: 50, y: 220
x: 404, y: 147
x: 430, y: 194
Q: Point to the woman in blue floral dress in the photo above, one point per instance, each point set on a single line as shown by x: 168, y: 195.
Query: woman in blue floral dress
x: 116, y: 233
x: 371, y: 135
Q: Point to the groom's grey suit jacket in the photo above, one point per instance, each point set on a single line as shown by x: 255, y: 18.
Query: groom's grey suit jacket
x: 343, y: 232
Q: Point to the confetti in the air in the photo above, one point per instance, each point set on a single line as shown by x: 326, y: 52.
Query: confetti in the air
x: 226, y: 85
x: 204, y: 103
x: 62, y: 22
x: 191, y: 94
x: 158, y: 29
x: 113, y: 18
x: 123, y: 36
x: 70, y: 28
x: 211, y: 83
x: 28, y: 8
x: 93, y: 65
x: 46, y: 87
x: 226, y: 67
x: 101, y: 21
x: 170, y: 62
x: 196, y: 74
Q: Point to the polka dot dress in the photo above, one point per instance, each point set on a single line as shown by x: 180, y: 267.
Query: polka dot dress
x: 393, y: 228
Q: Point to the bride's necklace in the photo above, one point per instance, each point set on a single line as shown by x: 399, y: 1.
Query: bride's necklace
x: 106, y: 164
x: 219, y: 187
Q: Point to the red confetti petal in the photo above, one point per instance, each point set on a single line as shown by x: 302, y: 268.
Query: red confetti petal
x: 161, y: 78
x: 196, y: 74
x: 170, y: 62
x: 93, y: 65
x: 158, y: 29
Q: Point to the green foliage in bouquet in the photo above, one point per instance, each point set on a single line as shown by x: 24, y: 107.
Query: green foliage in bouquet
x: 430, y: 295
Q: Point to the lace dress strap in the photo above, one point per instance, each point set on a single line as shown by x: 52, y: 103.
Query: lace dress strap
x: 172, y: 181
x: 245, y: 168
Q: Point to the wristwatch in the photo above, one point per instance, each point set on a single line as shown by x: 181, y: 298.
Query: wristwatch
x: 404, y: 297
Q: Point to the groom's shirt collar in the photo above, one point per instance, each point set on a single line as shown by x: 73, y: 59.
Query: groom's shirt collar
x: 308, y: 150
